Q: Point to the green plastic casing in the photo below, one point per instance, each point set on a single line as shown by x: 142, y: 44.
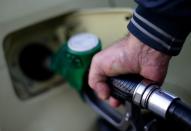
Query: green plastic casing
x: 73, y: 66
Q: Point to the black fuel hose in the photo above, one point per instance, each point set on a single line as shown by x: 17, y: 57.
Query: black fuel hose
x: 179, y: 112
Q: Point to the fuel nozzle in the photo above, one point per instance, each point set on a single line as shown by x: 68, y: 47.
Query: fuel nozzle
x: 141, y: 92
x: 73, y: 59
x: 149, y: 95
x: 72, y: 62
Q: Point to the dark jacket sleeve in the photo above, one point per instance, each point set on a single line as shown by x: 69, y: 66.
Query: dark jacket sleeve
x: 162, y: 24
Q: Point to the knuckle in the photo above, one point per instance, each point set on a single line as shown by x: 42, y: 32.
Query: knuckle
x: 92, y: 72
x: 95, y: 59
x: 95, y: 71
x: 91, y: 82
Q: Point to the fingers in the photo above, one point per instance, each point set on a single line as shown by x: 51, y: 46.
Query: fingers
x: 109, y: 62
x: 97, y: 78
x: 102, y: 90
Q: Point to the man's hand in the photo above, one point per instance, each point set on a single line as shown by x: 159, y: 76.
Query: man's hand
x: 128, y: 55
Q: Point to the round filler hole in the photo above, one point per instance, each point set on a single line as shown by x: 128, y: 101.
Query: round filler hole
x: 32, y: 61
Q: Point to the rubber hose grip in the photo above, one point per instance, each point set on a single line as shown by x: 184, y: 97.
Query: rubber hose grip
x: 123, y: 87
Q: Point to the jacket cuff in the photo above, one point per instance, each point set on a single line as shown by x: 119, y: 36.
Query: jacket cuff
x: 163, y: 33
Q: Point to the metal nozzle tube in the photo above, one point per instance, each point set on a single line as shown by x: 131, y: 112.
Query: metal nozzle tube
x: 143, y: 93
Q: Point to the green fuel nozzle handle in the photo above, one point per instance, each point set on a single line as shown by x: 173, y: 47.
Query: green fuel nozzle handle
x: 73, y: 59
